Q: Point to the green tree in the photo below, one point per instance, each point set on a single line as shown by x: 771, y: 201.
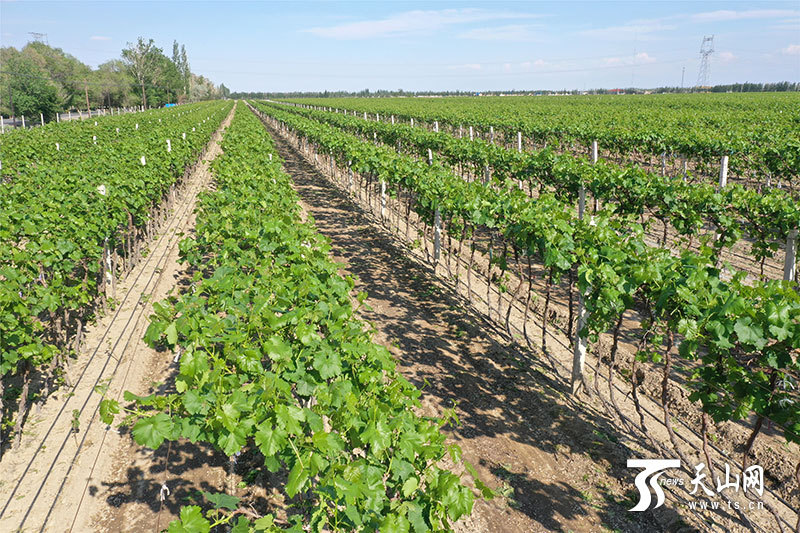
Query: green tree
x: 185, y: 71
x: 142, y: 60
x: 113, y: 84
x: 181, y: 62
x: 169, y: 79
x: 67, y: 73
x: 28, y: 88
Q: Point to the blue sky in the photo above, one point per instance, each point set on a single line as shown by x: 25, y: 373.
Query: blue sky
x: 279, y: 46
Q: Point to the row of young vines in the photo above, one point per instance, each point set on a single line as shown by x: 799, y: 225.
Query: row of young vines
x: 78, y: 201
x: 737, y: 342
x: 757, y: 131
x: 758, y: 223
x: 273, y: 358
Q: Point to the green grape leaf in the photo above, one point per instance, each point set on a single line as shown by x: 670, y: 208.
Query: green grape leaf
x: 151, y: 431
x: 222, y: 500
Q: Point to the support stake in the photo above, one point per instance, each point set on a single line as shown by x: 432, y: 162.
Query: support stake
x: 383, y: 200
x: 790, y: 264
x: 437, y: 235
x: 581, y: 342
x: 723, y: 172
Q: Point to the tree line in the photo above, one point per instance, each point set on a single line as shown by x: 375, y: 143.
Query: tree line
x: 746, y: 87
x: 43, y: 79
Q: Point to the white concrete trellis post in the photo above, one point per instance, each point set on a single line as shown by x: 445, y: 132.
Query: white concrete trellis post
x: 519, y: 149
x: 169, y: 146
x: 723, y: 172
x: 412, y: 121
x: 594, y: 162
x: 383, y: 200
x: 23, y: 122
x: 790, y: 264
x: 437, y: 223
x: 351, y: 182
x: 2, y: 124
x: 41, y: 116
x: 471, y: 134
x: 58, y: 118
x: 392, y: 119
x: 94, y: 139
x: 365, y: 115
x: 685, y: 169
x: 581, y: 341
x: 143, y: 160
x: 436, y: 126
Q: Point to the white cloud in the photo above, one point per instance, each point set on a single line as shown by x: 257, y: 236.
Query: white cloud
x: 642, y: 58
x: 643, y: 29
x: 726, y: 57
x: 467, y: 66
x: 507, y: 67
x: 411, y: 22
x: 539, y: 63
x: 637, y: 29
x: 725, y: 15
x: 99, y: 38
x: 511, y: 32
x: 792, y: 50
x: 787, y: 25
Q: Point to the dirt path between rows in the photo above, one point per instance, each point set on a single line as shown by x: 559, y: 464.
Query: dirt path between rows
x: 546, y: 454
x: 74, y: 473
